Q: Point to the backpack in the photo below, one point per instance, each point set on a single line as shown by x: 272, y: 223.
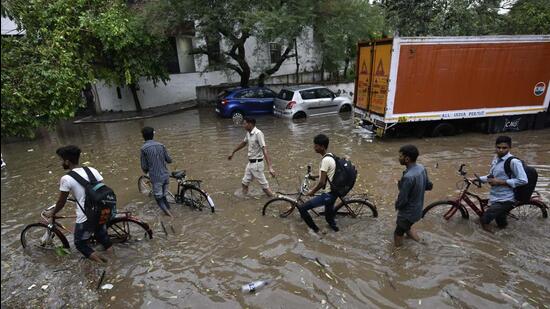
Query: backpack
x: 523, y: 193
x: 100, y: 203
x: 344, y: 176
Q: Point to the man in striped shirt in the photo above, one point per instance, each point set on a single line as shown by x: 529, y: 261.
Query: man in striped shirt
x: 153, y: 161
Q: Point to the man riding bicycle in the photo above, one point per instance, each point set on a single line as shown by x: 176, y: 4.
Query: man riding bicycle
x: 326, y: 172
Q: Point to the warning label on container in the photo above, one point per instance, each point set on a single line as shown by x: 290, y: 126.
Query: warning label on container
x: 539, y: 89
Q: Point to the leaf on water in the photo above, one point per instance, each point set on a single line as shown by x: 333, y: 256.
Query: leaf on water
x: 61, y: 251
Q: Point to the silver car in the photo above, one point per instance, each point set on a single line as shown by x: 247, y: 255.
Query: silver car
x: 304, y: 101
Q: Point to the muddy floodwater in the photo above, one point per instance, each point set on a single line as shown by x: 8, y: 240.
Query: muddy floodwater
x: 200, y: 259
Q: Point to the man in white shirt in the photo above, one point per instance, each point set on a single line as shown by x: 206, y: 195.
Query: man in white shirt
x: 83, y: 231
x: 326, y: 173
x: 257, y: 152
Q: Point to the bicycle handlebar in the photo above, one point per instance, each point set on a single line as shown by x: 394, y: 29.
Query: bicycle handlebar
x: 477, y: 182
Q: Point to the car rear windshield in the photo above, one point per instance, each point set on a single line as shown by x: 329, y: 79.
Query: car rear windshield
x: 285, y: 95
x: 223, y: 94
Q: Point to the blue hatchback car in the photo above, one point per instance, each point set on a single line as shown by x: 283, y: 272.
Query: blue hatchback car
x: 239, y: 102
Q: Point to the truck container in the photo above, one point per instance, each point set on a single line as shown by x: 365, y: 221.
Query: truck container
x: 438, y: 85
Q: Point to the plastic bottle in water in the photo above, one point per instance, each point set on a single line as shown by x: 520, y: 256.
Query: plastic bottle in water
x: 210, y: 202
x: 253, y: 286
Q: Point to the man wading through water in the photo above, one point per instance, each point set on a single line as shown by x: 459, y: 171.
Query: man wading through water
x: 257, y: 152
x: 502, y: 197
x: 410, y: 200
x: 153, y: 161
x: 83, y: 230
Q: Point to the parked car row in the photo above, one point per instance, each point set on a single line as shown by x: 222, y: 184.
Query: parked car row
x: 291, y: 102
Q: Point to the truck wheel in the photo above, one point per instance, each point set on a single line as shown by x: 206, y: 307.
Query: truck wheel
x: 444, y: 129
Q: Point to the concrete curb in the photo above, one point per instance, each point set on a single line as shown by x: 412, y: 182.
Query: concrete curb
x: 93, y: 119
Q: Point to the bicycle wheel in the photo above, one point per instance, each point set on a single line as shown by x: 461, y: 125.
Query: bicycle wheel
x: 37, y: 238
x: 357, y: 208
x: 279, y: 207
x: 445, y: 210
x: 194, y: 197
x: 126, y: 230
x: 530, y: 210
x: 145, y: 186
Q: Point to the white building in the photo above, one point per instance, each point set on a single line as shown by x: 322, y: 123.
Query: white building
x: 191, y: 71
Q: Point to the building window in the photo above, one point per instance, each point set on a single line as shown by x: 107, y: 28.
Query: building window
x: 172, y: 61
x: 214, y: 50
x: 274, y: 52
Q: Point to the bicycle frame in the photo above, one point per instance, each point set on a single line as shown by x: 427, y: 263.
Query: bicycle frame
x: 464, y: 196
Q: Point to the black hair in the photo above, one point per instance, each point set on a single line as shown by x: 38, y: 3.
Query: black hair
x: 321, y: 140
x: 409, y: 151
x: 70, y: 152
x: 250, y: 120
x: 504, y: 139
x: 148, y: 133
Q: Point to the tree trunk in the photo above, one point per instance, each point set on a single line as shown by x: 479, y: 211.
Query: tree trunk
x: 245, y: 76
x: 133, y: 88
x: 346, y: 65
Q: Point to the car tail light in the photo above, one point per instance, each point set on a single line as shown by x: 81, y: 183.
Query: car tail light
x: 290, y: 104
x: 224, y: 101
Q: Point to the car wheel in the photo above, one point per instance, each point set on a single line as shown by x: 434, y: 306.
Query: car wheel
x: 345, y: 108
x: 237, y: 117
x: 299, y: 115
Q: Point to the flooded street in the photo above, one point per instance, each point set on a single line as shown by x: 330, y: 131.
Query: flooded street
x: 203, y: 259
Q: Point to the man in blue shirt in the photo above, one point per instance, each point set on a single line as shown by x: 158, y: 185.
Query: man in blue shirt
x: 501, y: 198
x: 153, y: 161
x: 410, y: 200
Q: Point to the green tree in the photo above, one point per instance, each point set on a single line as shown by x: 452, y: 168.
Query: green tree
x: 529, y: 17
x: 443, y: 17
x: 339, y: 25
x: 233, y: 23
x: 68, y: 45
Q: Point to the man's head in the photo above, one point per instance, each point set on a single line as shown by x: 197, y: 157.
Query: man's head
x: 249, y: 123
x: 69, y: 156
x: 503, y: 145
x: 320, y: 143
x: 148, y: 133
x: 408, y: 154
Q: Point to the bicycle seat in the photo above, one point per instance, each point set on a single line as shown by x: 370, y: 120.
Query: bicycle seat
x: 178, y: 174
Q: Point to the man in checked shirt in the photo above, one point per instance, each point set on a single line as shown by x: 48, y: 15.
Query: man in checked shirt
x: 153, y: 161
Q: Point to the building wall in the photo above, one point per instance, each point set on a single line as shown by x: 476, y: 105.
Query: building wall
x: 182, y: 87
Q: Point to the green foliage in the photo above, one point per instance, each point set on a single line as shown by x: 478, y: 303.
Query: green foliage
x: 68, y: 44
x: 444, y: 17
x: 529, y: 17
x: 340, y: 24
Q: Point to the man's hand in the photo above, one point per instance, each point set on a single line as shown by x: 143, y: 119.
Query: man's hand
x: 497, y: 182
x: 48, y: 213
x: 310, y: 193
x: 272, y: 171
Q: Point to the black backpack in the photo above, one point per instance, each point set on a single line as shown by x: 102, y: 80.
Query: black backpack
x: 344, y: 176
x: 100, y: 204
x: 523, y: 193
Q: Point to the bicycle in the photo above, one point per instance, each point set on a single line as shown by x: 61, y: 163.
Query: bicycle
x: 189, y: 192
x: 283, y: 205
x: 448, y: 208
x: 50, y: 235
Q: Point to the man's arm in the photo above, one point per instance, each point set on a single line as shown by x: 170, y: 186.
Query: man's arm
x: 167, y: 156
x: 61, y: 201
x: 266, y: 157
x: 239, y: 147
x: 519, y: 172
x: 321, y: 184
x: 144, y: 165
x: 404, y: 191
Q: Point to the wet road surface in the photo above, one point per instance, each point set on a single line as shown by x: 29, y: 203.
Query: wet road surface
x: 203, y: 259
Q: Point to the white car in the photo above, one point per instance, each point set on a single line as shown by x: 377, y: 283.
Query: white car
x: 304, y: 101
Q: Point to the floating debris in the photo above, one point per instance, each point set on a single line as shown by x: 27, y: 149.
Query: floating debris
x: 31, y: 287
x: 107, y: 286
